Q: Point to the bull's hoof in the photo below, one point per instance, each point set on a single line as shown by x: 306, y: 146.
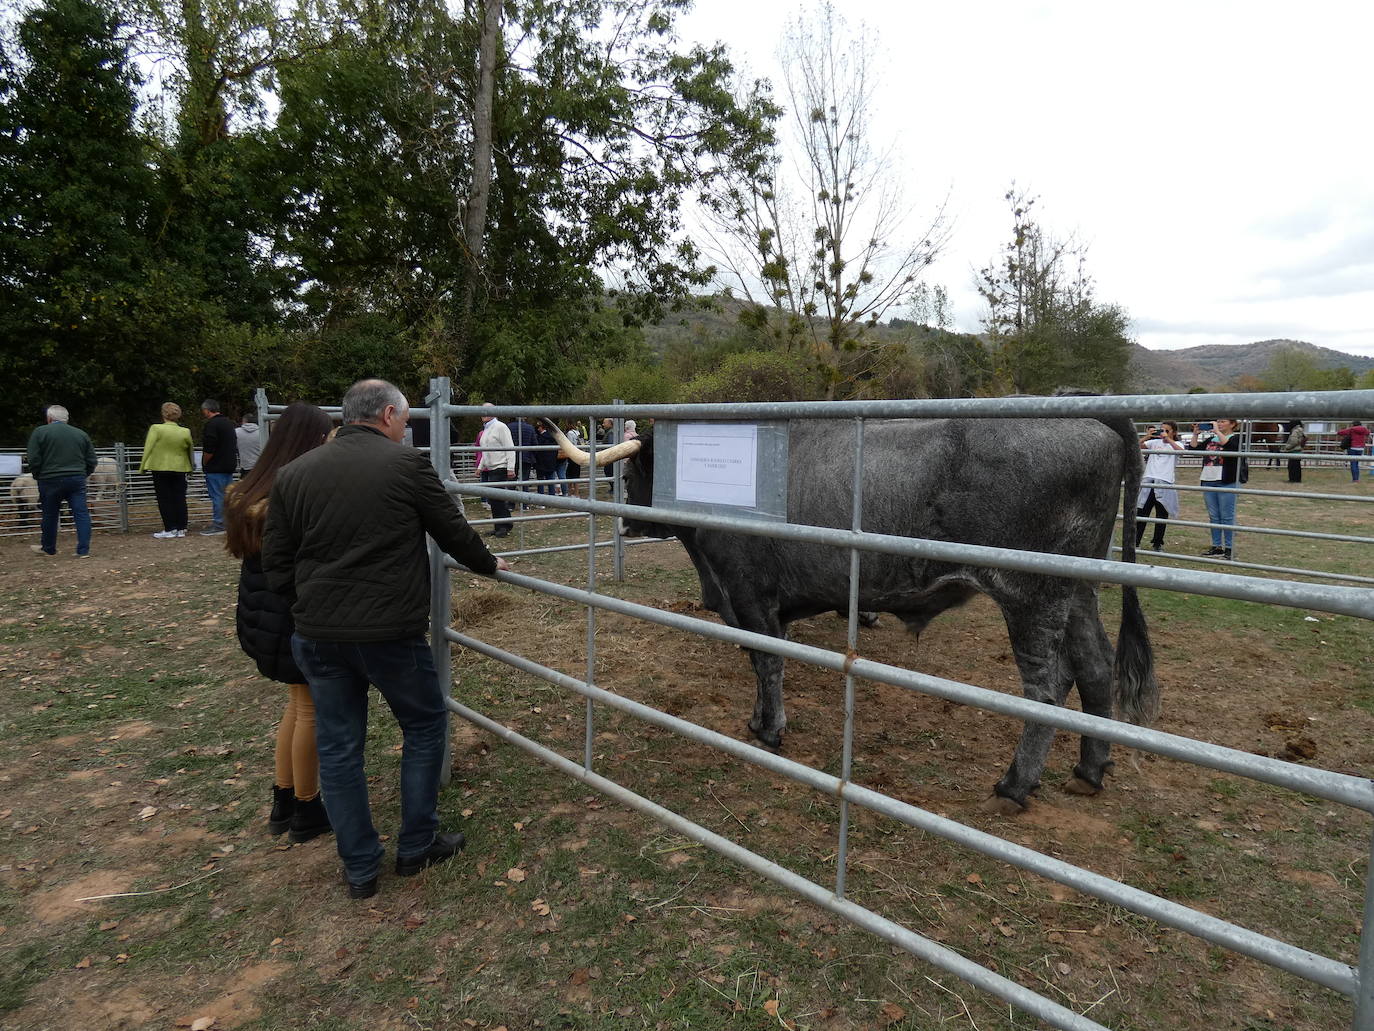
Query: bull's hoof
x: 770, y: 740
x: 1079, y: 786
x: 1000, y: 805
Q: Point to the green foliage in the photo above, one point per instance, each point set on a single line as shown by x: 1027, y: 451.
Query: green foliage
x: 955, y: 364
x: 1295, y: 369
x: 147, y: 259
x: 1047, y: 330
x: 756, y: 376
x: 637, y: 384
x: 82, y: 304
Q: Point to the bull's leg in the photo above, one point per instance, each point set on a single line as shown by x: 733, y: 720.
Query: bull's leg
x: 1036, y: 630
x: 769, y: 719
x: 1090, y: 653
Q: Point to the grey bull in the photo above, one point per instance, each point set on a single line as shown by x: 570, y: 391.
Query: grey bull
x: 1045, y: 485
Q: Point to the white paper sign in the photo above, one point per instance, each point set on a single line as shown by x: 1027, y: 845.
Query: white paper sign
x: 195, y: 459
x: 716, y: 464
x: 11, y: 465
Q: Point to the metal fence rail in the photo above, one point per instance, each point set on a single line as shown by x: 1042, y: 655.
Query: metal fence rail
x: 1357, y: 601
x: 124, y: 503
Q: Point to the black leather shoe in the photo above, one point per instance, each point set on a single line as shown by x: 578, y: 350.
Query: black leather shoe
x: 362, y: 891
x: 445, y: 847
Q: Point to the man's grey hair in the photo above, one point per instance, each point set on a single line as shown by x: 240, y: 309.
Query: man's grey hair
x: 367, y: 398
x: 57, y: 413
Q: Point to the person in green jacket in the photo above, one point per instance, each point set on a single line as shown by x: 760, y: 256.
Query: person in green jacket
x: 60, y: 458
x: 167, y: 455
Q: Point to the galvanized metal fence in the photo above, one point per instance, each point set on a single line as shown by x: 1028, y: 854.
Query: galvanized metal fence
x: 1356, y: 982
x: 119, y: 497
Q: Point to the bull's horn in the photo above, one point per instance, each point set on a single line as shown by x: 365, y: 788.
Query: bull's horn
x: 567, y: 449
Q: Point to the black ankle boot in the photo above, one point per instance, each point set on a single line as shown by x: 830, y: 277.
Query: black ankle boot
x: 309, y: 820
x: 283, y: 806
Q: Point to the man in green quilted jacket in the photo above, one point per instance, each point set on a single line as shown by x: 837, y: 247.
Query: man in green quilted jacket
x: 345, y: 539
x: 61, y: 457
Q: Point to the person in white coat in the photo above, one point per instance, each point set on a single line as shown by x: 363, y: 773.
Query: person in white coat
x: 496, y: 464
x: 1157, y: 490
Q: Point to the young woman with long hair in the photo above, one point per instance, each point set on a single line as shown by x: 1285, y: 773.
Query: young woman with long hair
x: 264, y: 624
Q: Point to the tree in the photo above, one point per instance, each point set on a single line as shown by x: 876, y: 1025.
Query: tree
x: 1295, y: 369
x: 597, y: 140
x: 826, y: 267
x: 218, y: 60
x: 756, y: 376
x: 1290, y: 369
x: 86, y: 315
x: 1046, y: 327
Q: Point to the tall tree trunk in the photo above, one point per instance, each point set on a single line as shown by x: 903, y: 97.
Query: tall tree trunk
x: 203, y: 113
x: 479, y: 192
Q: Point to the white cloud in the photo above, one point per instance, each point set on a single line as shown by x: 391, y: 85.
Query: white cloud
x: 1215, y: 156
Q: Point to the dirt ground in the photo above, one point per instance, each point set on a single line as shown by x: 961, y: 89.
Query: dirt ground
x: 137, y: 752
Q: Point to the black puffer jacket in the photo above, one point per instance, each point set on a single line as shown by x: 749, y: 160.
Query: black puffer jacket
x: 345, y: 538
x: 263, y: 619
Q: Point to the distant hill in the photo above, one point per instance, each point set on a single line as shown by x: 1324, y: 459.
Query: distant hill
x: 1163, y: 372
x: 1212, y: 367
x: 1215, y: 366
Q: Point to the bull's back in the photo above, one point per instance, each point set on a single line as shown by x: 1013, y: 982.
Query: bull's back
x: 1047, y: 485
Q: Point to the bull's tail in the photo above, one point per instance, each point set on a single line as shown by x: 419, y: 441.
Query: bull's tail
x: 1137, y: 691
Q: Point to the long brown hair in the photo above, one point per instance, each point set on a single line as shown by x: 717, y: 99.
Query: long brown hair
x: 301, y: 428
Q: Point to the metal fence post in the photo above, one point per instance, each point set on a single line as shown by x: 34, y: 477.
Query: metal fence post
x: 847, y: 753
x: 122, y: 485
x: 1364, y: 992
x: 260, y: 399
x: 589, y: 713
x: 440, y: 588
x: 618, y: 496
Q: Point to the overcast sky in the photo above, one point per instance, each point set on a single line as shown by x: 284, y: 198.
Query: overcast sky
x: 1217, y: 157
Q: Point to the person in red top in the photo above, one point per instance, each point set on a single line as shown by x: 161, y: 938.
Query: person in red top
x: 1354, y: 438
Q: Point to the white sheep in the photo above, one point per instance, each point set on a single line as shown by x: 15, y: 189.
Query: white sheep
x: 104, y: 482
x: 23, y: 498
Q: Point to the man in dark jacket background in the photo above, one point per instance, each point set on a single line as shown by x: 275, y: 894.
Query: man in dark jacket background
x: 524, y: 436
x: 219, y: 459
x: 61, y: 457
x: 345, y: 537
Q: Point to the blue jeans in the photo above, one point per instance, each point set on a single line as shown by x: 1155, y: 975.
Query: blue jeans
x: 561, y: 472
x: 1221, y: 508
x: 215, y: 484
x: 403, y: 671
x: 51, y: 494
x: 1354, y: 466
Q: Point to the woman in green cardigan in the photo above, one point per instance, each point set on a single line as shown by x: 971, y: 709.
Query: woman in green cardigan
x: 167, y: 455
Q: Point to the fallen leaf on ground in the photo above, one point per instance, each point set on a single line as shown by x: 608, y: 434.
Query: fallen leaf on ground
x: 892, y: 1013
x: 515, y: 874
